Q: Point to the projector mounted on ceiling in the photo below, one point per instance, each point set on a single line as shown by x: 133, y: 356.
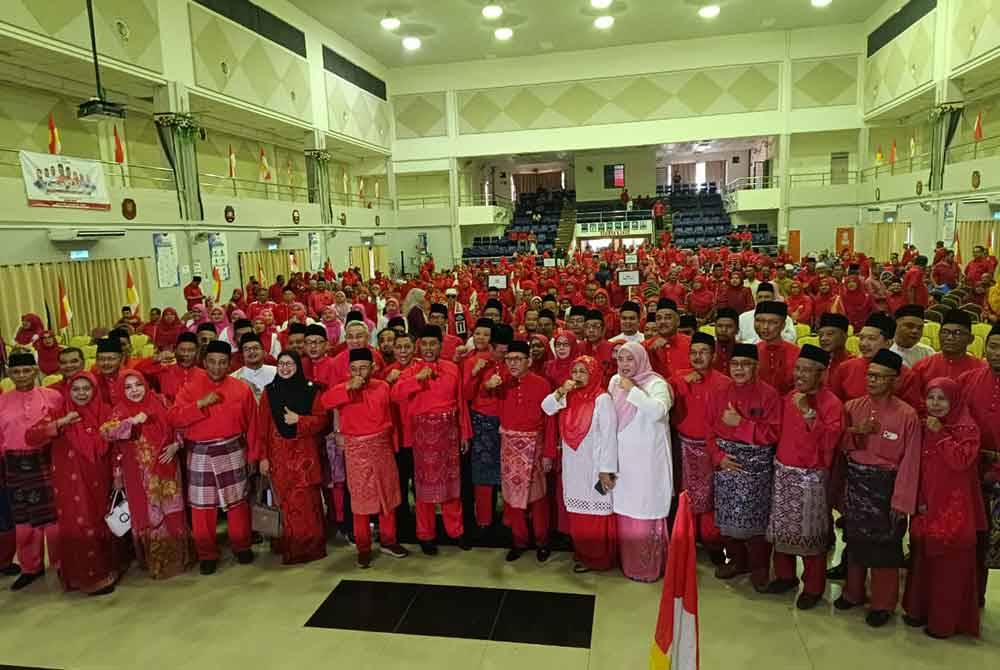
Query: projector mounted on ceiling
x: 95, y: 110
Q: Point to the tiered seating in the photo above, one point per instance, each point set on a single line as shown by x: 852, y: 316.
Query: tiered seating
x: 536, y: 215
x: 596, y: 211
x: 760, y: 234
x: 699, y: 217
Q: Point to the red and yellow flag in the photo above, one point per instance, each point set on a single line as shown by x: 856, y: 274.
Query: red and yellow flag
x: 232, y: 163
x: 55, y: 144
x: 977, y: 132
x: 260, y: 275
x: 892, y: 154
x: 217, y: 283
x: 265, y: 169
x: 119, y: 149
x: 131, y: 293
x: 65, y: 311
x: 675, y: 645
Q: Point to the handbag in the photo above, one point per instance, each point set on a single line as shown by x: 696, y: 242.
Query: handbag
x: 265, y: 515
x: 118, y: 518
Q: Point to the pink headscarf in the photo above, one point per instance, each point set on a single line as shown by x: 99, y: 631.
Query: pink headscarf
x: 356, y: 307
x: 230, y: 329
x: 644, y: 374
x: 334, y: 326
x: 202, y: 317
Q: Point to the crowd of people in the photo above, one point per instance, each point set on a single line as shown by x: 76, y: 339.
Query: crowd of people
x: 583, y: 405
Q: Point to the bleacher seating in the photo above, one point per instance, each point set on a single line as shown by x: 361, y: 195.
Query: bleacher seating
x: 760, y: 234
x: 535, y: 214
x: 699, y: 218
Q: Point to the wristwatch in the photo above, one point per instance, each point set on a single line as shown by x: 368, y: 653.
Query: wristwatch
x: 809, y: 415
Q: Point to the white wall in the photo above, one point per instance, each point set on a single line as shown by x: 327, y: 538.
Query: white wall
x: 640, y: 173
x: 810, y: 152
x: 818, y: 226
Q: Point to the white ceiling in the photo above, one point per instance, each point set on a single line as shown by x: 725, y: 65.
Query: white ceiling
x: 455, y: 30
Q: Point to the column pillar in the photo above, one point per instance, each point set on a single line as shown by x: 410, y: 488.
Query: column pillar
x: 318, y: 176
x: 784, y: 154
x: 456, y: 234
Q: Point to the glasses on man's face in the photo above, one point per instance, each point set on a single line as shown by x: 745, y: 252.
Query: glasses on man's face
x: 516, y: 358
x: 952, y: 332
x: 876, y: 376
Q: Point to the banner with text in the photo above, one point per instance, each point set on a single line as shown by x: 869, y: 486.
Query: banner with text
x: 64, y: 181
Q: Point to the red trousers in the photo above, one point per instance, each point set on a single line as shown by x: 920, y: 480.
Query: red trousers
x: 708, y: 532
x: 203, y: 527
x: 518, y: 521
x: 753, y: 555
x: 813, y: 573
x: 335, y: 502
x: 484, y: 505
x: 884, y: 586
x: 595, y: 540
x: 8, y: 547
x: 31, y: 544
x: 363, y: 531
x: 451, y: 510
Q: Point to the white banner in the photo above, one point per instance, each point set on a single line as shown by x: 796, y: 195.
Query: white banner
x: 64, y: 181
x: 167, y: 263
x: 218, y: 253
x: 315, y: 253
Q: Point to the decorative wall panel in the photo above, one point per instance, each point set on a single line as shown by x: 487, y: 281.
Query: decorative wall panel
x: 356, y: 113
x: 420, y: 115
x: 903, y: 65
x: 975, y: 30
x: 826, y: 82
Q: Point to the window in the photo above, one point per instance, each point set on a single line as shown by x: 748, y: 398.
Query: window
x: 699, y: 173
x: 614, y: 176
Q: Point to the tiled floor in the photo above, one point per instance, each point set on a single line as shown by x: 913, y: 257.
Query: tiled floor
x: 255, y: 616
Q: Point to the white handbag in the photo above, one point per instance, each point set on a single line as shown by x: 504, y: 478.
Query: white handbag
x: 119, y: 519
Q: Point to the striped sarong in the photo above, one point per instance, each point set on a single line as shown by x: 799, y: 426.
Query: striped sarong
x: 29, y: 487
x: 485, y: 449
x: 698, y: 472
x: 217, y: 473
x: 991, y: 496
x: 437, y: 470
x: 872, y: 531
x: 743, y: 499
x: 523, y: 478
x: 800, y: 515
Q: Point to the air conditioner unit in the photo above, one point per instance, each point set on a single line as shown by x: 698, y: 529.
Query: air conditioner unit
x: 83, y: 234
x: 277, y: 234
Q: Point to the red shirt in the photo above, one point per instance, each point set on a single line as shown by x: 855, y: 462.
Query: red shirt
x: 811, y: 444
x: 440, y: 393
x: 255, y: 308
x: 850, y: 382
x: 777, y: 364
x: 981, y: 390
x: 939, y: 365
x: 604, y: 352
x: 172, y: 378
x: 322, y: 371
x: 192, y: 294
x: 365, y: 411
x: 914, y: 279
x: 341, y: 368
x: 673, y: 356
x: 521, y: 409
x: 723, y: 353
x: 235, y: 414
x: 946, y: 273
x: 758, y: 404
x: 836, y: 360
x: 481, y: 399
x: 691, y: 401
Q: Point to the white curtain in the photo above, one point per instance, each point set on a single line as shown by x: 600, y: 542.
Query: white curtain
x: 715, y: 171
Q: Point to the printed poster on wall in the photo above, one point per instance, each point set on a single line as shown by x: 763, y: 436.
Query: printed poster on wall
x: 167, y: 264
x: 64, y: 181
x: 948, y: 233
x: 217, y: 253
x: 315, y: 253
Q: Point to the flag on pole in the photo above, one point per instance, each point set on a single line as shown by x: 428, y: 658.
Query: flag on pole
x: 675, y: 644
x: 291, y: 176
x: 958, y: 249
x: 265, y: 169
x: 232, y: 163
x: 65, y: 311
x: 977, y: 133
x: 293, y: 262
x: 260, y: 275
x: 119, y: 149
x: 892, y: 153
x: 913, y: 146
x: 879, y: 156
x: 131, y: 293
x: 217, y: 282
x: 55, y: 144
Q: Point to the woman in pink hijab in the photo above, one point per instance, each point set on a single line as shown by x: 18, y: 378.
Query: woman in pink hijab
x: 334, y: 326
x: 198, y: 316
x: 644, y: 486
x: 340, y: 305
x: 391, y: 310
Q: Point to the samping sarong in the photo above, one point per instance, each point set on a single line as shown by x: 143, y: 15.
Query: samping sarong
x: 485, y: 449
x: 874, y: 534
x: 437, y: 469
x: 743, y: 499
x: 523, y: 479
x: 698, y: 473
x: 991, y: 496
x: 29, y: 487
x: 373, y: 480
x: 217, y: 473
x: 800, y: 515
x: 334, y: 470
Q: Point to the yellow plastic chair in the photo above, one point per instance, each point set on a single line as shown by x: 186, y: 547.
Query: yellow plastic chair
x: 139, y: 341
x: 6, y: 385
x: 89, y: 351
x: 709, y: 329
x: 812, y: 339
x: 148, y: 350
x: 89, y: 364
x: 981, y: 329
x: 802, y: 330
x: 932, y: 331
x: 51, y: 379
x: 853, y: 345
x: 79, y: 341
x: 926, y: 340
x: 850, y: 330
x: 977, y: 347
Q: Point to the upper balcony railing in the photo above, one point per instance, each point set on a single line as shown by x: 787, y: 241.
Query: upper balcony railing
x: 752, y: 183
x: 214, y: 184
x: 423, y: 201
x: 907, y: 165
x: 970, y: 151
x: 824, y: 178
x: 119, y: 175
x: 480, y: 200
x: 340, y: 199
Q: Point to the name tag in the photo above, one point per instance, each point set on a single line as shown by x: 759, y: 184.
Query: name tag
x: 889, y: 435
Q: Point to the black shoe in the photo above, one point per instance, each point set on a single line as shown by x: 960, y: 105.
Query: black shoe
x: 543, y: 554
x: 837, y: 572
x: 514, y: 554
x: 26, y: 579
x: 11, y: 570
x: 462, y: 543
x: 843, y: 603
x: 878, y: 618
x: 395, y: 550
x: 807, y: 601
x: 717, y: 557
x: 103, y: 592
x: 429, y: 548
x: 245, y: 557
x: 256, y: 538
x: 929, y: 633
x: 779, y: 586
x: 365, y: 560
x: 913, y: 622
x: 208, y: 567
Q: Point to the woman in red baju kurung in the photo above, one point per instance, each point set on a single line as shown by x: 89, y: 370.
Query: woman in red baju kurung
x: 290, y: 423
x: 942, y: 590
x: 81, y: 482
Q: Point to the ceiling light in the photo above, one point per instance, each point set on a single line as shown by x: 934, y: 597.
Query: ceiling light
x: 821, y: 3
x: 604, y: 22
x: 411, y: 43
x: 503, y: 33
x: 492, y: 11
x: 709, y: 11
x: 600, y: 4
x: 390, y: 22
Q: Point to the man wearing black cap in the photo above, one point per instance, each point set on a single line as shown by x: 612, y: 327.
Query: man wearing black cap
x: 295, y: 338
x: 484, y: 413
x: 726, y: 329
x: 218, y: 417
x: 316, y: 365
x: 883, y: 471
x: 981, y: 389
x: 527, y: 450
x: 811, y: 428
x: 909, y: 330
x: 850, y: 380
x: 595, y: 344
x: 27, y: 501
x: 692, y: 388
x: 777, y: 356
x: 439, y: 317
x: 404, y: 351
x: 748, y: 319
x: 629, y: 317
x: 356, y: 336
x: 832, y: 333
x: 254, y: 372
x: 576, y: 322
x: 669, y: 350
x: 493, y: 310
x: 205, y: 333
x: 398, y: 324
x: 107, y: 367
x: 743, y: 423
x: 438, y: 414
x: 953, y: 359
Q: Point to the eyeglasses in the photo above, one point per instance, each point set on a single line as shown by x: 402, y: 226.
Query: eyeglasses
x: 874, y: 376
x: 952, y: 332
x: 286, y: 364
x: 516, y: 358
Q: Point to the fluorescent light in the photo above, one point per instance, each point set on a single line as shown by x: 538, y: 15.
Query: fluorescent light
x: 492, y: 11
x: 821, y: 3
x: 604, y: 22
x: 600, y: 4
x: 503, y: 34
x: 390, y: 22
x: 709, y: 11
x: 411, y: 43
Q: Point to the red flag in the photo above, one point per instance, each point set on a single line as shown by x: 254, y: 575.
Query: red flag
x: 260, y: 275
x: 232, y: 163
x: 217, y: 280
x: 131, y: 293
x: 119, y: 149
x: 65, y: 312
x: 55, y: 144
x: 892, y: 153
x: 675, y: 644
x: 958, y: 249
x: 977, y: 133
